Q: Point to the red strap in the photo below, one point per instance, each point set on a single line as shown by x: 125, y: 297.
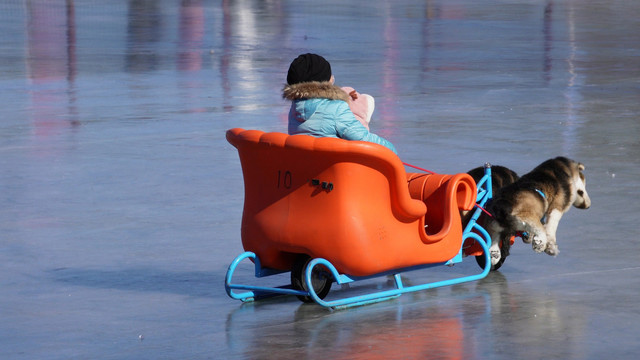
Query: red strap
x: 419, y: 168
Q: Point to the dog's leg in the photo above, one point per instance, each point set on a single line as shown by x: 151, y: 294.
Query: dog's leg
x: 537, y: 233
x: 494, y: 250
x: 550, y: 228
x: 539, y: 242
x: 495, y: 231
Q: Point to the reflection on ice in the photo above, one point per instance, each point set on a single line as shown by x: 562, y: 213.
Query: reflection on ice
x: 468, y: 324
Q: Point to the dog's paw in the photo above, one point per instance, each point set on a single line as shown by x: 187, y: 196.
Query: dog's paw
x: 538, y: 244
x: 552, y: 249
x: 495, y: 256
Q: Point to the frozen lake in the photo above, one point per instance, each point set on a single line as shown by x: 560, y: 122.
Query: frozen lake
x: 121, y: 201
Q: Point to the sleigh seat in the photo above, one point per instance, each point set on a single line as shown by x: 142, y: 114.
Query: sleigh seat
x: 349, y: 202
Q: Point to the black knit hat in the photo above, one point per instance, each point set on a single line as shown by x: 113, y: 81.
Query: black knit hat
x: 308, y: 67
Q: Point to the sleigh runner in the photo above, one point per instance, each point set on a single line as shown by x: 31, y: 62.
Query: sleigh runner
x: 329, y: 211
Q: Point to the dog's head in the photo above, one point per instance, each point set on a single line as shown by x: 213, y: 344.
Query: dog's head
x: 581, y: 200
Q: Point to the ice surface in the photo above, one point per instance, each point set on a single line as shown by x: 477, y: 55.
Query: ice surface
x: 120, y: 200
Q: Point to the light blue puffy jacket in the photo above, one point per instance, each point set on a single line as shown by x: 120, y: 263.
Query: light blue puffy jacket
x: 321, y: 109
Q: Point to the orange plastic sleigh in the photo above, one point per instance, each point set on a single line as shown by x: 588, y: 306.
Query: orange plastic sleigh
x: 333, y: 211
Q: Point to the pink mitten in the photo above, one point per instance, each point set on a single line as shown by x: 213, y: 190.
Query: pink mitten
x: 362, y: 105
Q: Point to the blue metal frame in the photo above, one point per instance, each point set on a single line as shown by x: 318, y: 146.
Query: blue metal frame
x: 472, y: 230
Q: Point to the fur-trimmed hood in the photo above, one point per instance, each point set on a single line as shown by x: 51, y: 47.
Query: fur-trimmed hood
x: 314, y: 89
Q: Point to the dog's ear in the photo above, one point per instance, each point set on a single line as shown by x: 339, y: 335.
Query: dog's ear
x: 581, y: 166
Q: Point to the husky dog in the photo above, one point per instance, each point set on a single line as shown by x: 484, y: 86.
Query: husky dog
x: 534, y: 204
